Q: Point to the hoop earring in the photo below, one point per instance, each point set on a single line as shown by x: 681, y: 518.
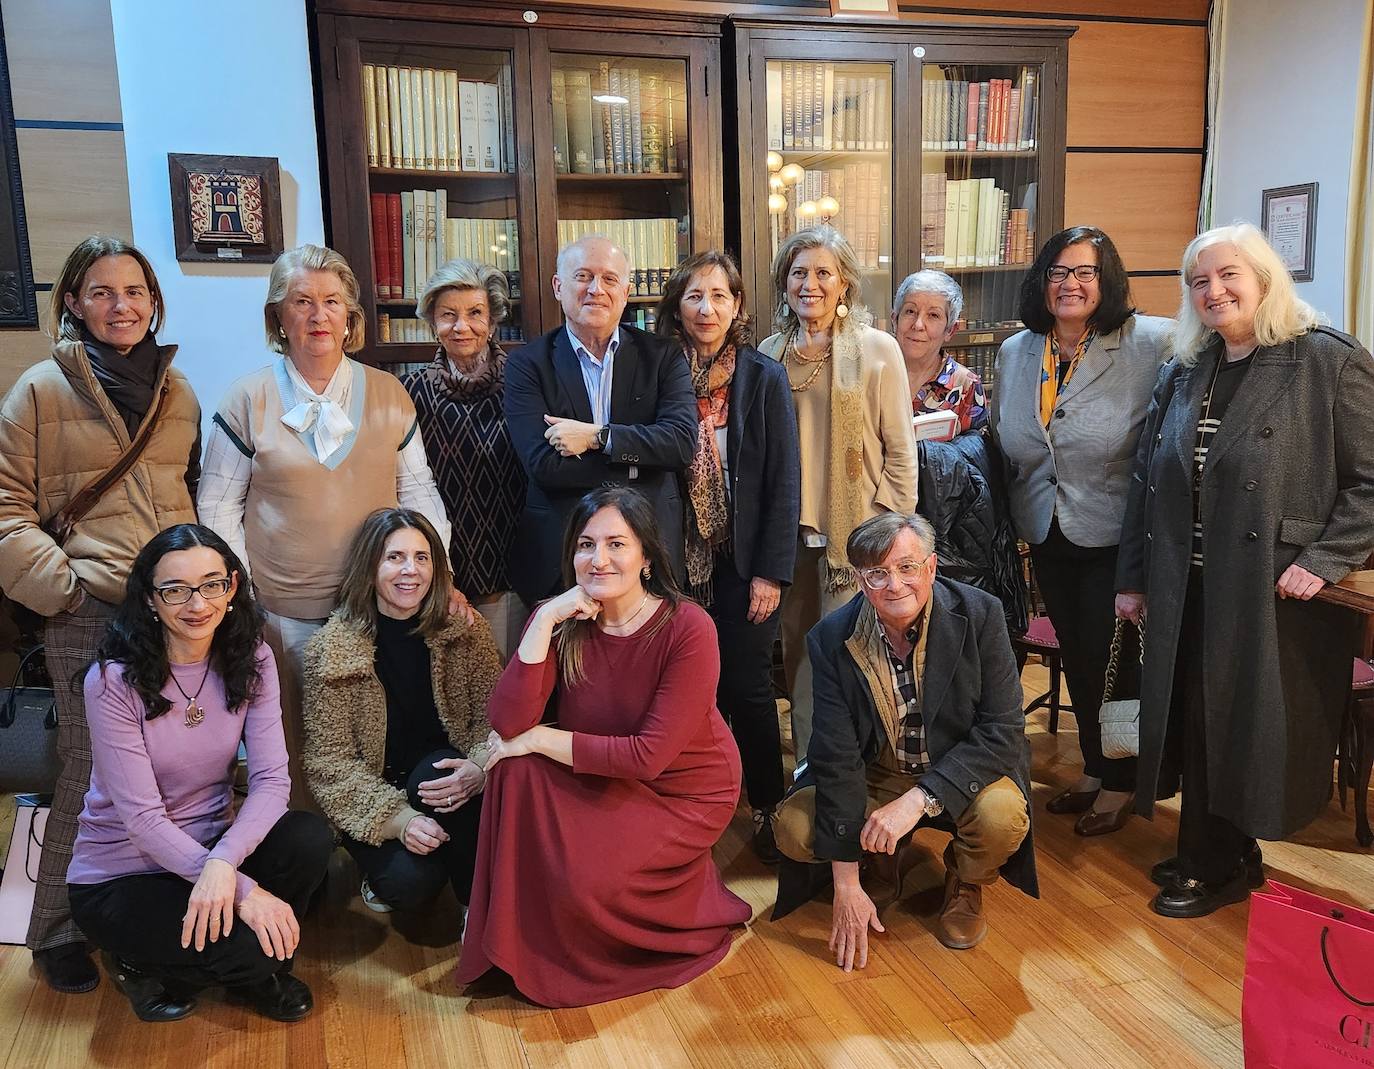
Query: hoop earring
x: 842, y: 310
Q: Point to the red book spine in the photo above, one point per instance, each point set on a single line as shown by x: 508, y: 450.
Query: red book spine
x: 395, y: 246
x: 381, y: 256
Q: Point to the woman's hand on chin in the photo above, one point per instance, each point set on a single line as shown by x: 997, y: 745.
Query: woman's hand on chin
x: 573, y: 604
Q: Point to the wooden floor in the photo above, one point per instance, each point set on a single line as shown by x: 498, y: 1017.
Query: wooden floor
x: 1085, y: 977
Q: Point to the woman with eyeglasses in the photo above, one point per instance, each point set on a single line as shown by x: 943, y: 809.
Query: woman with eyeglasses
x: 181, y: 888
x: 1072, y: 392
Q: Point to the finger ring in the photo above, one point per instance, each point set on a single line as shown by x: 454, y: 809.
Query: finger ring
x: 448, y: 800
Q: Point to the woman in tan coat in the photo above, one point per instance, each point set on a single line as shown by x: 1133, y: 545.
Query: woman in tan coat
x: 67, y: 422
x: 395, y: 715
x: 858, y: 452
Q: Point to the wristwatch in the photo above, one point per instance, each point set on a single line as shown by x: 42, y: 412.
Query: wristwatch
x: 600, y: 439
x: 934, y: 807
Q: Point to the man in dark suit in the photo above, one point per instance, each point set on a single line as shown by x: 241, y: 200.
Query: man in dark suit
x: 593, y: 402
x: 917, y: 718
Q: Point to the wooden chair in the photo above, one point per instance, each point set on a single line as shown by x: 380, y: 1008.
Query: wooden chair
x: 1040, y: 639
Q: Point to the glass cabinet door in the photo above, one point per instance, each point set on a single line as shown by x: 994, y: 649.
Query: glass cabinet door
x: 980, y: 179
x: 622, y: 162
x: 829, y: 128
x: 442, y: 179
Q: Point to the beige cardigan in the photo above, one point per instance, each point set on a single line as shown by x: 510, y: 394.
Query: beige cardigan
x: 345, y: 717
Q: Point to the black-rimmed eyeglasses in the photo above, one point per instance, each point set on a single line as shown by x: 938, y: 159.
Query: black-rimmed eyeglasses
x: 180, y: 593
x: 1083, y: 272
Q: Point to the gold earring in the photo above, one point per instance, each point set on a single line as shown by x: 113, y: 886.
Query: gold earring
x: 842, y: 311
x: 646, y: 573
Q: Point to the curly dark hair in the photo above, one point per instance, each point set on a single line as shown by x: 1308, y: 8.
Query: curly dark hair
x: 1115, y: 307
x: 135, y: 637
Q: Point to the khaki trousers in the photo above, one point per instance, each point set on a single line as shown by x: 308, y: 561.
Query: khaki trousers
x: 506, y: 614
x: 806, y: 602
x: 287, y: 638
x: 990, y: 830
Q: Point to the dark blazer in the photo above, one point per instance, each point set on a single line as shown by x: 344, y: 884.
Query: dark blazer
x: 971, y: 704
x: 653, y: 433
x: 1289, y: 479
x: 765, y: 468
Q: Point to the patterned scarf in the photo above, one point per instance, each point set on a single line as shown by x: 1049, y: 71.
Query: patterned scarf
x: 1051, y: 385
x: 441, y: 375
x: 708, y: 526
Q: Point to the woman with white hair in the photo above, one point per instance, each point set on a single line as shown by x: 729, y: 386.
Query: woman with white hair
x: 1252, y: 489
x: 301, y: 452
x: 858, y: 452
x: 925, y: 313
x: 458, y: 398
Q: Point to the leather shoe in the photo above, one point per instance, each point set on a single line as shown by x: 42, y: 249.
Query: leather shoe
x: 68, y: 968
x: 961, y: 924
x: 1168, y: 871
x: 1071, y: 801
x: 281, y: 997
x: 150, y: 999
x: 1094, y: 823
x: 1192, y: 898
x: 764, y: 844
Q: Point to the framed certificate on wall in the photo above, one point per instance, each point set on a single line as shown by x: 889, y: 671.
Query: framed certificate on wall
x: 1288, y: 217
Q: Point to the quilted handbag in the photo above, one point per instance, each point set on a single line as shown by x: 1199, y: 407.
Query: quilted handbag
x: 1120, y: 718
x: 28, y: 734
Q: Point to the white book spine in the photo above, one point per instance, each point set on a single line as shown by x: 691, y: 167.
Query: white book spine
x: 489, y: 127
x: 467, y: 111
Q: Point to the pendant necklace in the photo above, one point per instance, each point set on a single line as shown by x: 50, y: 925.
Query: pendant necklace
x: 194, y: 713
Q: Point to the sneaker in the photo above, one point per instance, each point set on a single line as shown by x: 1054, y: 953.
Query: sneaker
x: 764, y: 844
x: 372, y: 902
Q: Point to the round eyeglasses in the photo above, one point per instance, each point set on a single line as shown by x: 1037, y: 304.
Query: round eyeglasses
x: 908, y: 571
x: 180, y: 593
x: 1083, y: 272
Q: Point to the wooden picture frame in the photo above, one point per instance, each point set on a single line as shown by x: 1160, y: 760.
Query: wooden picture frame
x: 18, y: 300
x: 1288, y: 217
x: 225, y: 209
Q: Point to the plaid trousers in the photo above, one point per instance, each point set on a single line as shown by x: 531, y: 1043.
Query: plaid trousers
x: 70, y: 640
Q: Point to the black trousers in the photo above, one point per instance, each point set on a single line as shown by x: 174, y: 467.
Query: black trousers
x: 745, y: 691
x: 1210, y: 848
x: 406, y: 881
x: 1079, y: 588
x: 138, y: 918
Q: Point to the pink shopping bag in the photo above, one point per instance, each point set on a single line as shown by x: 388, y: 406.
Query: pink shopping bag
x: 1309, y: 983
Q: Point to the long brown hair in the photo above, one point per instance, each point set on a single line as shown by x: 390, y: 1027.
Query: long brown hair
x: 638, y: 514
x: 66, y: 326
x: 669, y: 318
x: 357, y: 600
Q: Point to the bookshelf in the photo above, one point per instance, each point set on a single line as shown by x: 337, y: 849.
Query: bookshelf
x: 472, y: 130
x: 926, y: 146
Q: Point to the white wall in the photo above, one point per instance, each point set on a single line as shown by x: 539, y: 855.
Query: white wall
x: 1288, y: 93
x: 235, y: 80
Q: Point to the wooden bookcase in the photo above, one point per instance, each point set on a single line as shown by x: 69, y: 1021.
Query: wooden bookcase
x: 867, y: 115
x: 663, y: 204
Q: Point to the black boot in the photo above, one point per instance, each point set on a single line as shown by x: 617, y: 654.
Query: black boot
x: 281, y: 997
x: 68, y: 968
x: 151, y: 1001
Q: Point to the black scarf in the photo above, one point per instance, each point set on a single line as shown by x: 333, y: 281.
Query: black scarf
x: 128, y: 381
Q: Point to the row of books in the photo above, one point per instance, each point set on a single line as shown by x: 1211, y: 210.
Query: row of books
x: 991, y: 116
x: 412, y: 235
x: 401, y: 329
x: 651, y: 244
x: 822, y: 107
x: 865, y: 208
x: 431, y: 120
x: 970, y: 223
x: 615, y: 121
x: 981, y: 360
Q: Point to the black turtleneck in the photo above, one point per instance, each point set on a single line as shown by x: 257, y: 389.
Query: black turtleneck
x: 413, y: 728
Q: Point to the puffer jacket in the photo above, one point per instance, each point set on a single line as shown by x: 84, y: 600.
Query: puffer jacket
x: 58, y: 431
x: 962, y: 497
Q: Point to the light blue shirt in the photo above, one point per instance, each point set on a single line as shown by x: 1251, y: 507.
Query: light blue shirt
x: 597, y: 377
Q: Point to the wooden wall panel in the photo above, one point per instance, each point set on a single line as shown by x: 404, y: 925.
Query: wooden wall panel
x: 1147, y: 203
x: 62, y: 60
x: 21, y: 349
x: 1156, y: 296
x: 1143, y: 86
x: 75, y: 184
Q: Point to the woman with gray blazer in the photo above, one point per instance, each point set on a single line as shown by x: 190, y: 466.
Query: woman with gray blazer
x: 1070, y: 401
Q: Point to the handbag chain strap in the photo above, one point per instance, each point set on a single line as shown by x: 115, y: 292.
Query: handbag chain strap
x: 1114, y: 659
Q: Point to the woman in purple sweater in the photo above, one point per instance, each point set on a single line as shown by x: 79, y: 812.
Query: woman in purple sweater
x: 179, y: 891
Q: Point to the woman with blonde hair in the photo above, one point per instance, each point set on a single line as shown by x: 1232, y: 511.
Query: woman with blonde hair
x: 300, y: 453
x: 99, y: 451
x: 458, y: 398
x: 1253, y: 488
x: 858, y: 452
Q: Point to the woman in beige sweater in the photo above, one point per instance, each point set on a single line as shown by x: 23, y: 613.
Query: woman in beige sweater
x: 858, y: 453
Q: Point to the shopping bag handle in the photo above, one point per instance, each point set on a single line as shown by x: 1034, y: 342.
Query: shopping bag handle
x: 1326, y: 961
x: 7, y: 711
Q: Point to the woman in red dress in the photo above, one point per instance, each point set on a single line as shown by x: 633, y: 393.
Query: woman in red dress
x: 594, y: 871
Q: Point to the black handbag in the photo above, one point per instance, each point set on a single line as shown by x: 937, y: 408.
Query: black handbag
x: 28, y: 735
